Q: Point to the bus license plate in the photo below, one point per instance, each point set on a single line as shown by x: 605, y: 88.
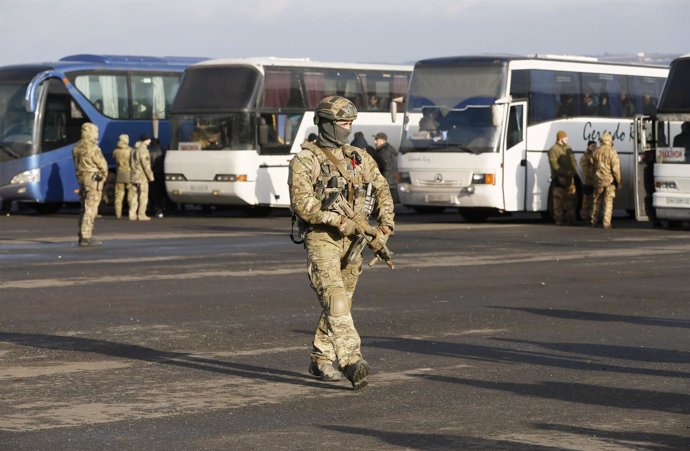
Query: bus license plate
x: 678, y: 201
x: 437, y: 198
x: 199, y: 188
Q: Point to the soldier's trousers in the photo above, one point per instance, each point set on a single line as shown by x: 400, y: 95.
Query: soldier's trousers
x: 335, y: 338
x: 603, y: 204
x: 90, y: 193
x: 138, y: 200
x: 587, y: 202
x: 120, y: 190
x: 564, y: 197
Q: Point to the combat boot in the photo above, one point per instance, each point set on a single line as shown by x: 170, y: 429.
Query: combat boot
x: 89, y: 242
x: 144, y: 218
x: 325, y: 372
x: 357, y: 374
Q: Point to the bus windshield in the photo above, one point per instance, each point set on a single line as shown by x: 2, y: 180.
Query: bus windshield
x: 449, y: 108
x: 16, y: 124
x: 222, y: 131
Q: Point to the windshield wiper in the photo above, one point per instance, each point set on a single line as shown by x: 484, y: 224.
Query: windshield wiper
x: 10, y: 152
x: 456, y: 147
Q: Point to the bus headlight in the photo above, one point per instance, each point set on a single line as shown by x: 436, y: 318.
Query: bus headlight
x: 483, y: 179
x: 175, y: 178
x: 32, y: 175
x: 230, y: 178
x: 666, y: 185
x: 404, y: 177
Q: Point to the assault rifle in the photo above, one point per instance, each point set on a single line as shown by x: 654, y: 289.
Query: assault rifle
x: 365, y: 232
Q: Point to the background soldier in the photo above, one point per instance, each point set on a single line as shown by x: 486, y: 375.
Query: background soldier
x: 587, y: 167
x: 386, y: 157
x: 122, y: 155
x: 92, y: 170
x: 564, y: 194
x: 607, y: 180
x: 319, y: 171
x: 140, y: 167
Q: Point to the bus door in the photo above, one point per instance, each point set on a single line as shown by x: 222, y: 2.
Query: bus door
x: 278, y: 136
x: 515, y: 158
x: 643, y: 161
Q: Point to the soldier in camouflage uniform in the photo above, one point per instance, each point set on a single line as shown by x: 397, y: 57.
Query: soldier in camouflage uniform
x: 563, y: 171
x: 332, y: 165
x: 587, y: 167
x: 141, y: 174
x: 92, y: 170
x: 607, y: 179
x: 122, y: 155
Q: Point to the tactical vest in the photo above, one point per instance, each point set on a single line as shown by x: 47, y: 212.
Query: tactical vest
x: 348, y: 180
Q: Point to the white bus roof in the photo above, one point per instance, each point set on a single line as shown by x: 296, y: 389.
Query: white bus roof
x: 300, y: 62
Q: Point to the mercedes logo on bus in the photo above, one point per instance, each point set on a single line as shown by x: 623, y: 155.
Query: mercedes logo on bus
x: 438, y: 178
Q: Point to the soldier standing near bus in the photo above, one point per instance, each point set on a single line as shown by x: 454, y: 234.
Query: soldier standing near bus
x: 563, y: 171
x: 607, y: 179
x: 123, y: 180
x: 587, y: 168
x: 140, y: 167
x: 320, y: 170
x: 92, y: 170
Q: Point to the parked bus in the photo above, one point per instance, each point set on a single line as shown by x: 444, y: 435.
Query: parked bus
x: 662, y: 151
x: 237, y: 123
x: 42, y: 108
x: 477, y: 129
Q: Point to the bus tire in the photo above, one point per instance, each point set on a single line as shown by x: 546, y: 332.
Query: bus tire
x: 259, y: 211
x: 475, y: 214
x: 428, y: 210
x: 48, y: 208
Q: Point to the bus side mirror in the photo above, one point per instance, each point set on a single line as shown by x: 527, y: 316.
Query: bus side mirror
x: 263, y: 134
x: 496, y: 111
x: 394, y: 107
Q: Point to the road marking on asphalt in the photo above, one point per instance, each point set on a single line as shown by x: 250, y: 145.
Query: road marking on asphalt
x: 57, y: 369
x: 237, y: 389
x: 402, y: 261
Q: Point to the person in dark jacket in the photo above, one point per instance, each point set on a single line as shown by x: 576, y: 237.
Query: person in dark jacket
x: 361, y: 142
x: 386, y: 157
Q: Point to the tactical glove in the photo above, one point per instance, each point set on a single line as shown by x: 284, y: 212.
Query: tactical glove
x: 347, y: 227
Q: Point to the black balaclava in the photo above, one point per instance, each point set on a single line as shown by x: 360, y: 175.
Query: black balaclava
x: 332, y: 135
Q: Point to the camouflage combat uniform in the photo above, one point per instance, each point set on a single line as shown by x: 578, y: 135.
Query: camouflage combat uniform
x: 92, y: 170
x: 564, y: 194
x: 335, y: 338
x: 141, y: 175
x: 587, y: 168
x: 122, y: 155
x: 607, y: 179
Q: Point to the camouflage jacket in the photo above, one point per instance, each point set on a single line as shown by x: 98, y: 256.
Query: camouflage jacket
x: 140, y: 164
x: 587, y: 166
x: 122, y: 156
x: 562, y: 161
x: 88, y: 160
x: 607, y: 166
x: 311, y: 171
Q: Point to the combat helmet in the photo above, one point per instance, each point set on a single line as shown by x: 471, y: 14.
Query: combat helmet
x: 335, y: 108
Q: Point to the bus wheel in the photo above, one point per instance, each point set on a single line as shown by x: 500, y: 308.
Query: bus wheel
x: 427, y: 210
x: 475, y: 214
x: 47, y: 208
x: 259, y: 211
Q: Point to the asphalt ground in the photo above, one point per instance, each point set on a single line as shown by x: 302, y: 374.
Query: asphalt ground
x: 193, y: 332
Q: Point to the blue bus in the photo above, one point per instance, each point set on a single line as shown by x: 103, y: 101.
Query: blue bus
x: 42, y: 108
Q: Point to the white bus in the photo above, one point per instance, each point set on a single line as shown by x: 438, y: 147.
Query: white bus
x: 663, y: 151
x: 477, y: 129
x: 237, y: 123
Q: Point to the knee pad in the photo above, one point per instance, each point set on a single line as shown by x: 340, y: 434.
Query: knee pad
x: 338, y: 305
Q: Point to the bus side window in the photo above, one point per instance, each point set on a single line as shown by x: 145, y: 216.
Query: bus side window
x: 62, y: 120
x: 515, y: 132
